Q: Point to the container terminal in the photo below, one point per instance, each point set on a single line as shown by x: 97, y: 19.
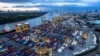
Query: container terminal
x: 64, y: 35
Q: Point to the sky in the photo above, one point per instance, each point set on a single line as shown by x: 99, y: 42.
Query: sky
x: 36, y: 4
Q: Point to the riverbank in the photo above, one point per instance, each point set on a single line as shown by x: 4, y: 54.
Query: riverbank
x: 16, y: 17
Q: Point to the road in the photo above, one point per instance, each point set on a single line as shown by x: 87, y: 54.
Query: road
x: 92, y: 53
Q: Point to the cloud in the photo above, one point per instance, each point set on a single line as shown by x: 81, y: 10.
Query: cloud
x: 15, y: 1
x: 39, y: 3
x: 21, y: 9
x: 61, y: 4
x: 56, y: 1
x: 92, y: 1
x: 14, y: 4
x: 48, y: 1
x: 5, y: 7
x: 44, y: 4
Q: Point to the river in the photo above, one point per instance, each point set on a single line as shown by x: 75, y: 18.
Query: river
x: 32, y: 22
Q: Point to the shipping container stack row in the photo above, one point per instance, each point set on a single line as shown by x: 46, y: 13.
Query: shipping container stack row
x: 60, y: 34
x: 26, y: 38
x: 6, y: 48
x: 40, y: 46
x: 43, y: 39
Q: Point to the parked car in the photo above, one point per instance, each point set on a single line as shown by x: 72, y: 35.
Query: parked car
x: 30, y: 43
x: 23, y: 41
x: 6, y: 52
x: 22, y: 54
x: 13, y: 49
x: 8, y: 45
x: 28, y: 51
x: 17, y: 39
x: 18, y: 52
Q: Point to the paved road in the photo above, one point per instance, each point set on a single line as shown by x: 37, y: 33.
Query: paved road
x: 98, y: 35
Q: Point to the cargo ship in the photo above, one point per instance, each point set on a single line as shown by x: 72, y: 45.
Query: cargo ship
x: 19, y: 28
x: 6, y: 30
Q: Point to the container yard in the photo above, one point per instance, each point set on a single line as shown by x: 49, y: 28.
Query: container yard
x: 63, y: 35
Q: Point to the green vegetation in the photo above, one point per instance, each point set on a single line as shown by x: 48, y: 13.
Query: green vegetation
x: 15, y: 17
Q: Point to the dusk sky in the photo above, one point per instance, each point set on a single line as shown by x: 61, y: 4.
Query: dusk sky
x: 35, y: 4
